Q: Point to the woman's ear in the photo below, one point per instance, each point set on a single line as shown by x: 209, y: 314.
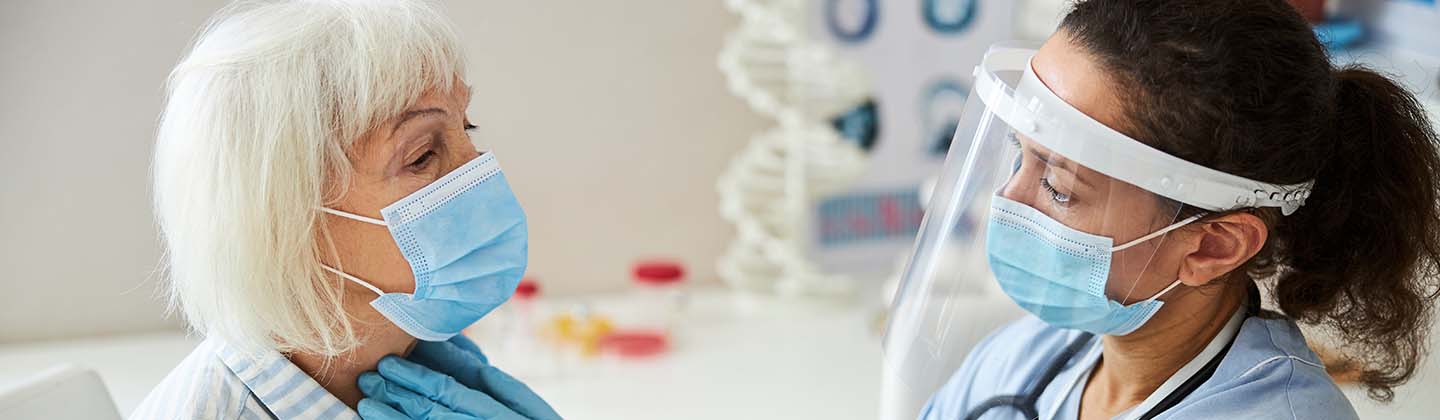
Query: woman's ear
x: 1225, y: 243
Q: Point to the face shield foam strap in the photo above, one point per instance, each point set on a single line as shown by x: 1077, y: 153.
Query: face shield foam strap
x: 1034, y: 111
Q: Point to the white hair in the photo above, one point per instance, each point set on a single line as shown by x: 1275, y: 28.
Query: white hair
x: 252, y: 144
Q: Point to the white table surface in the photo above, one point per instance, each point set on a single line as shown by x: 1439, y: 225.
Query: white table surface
x: 736, y: 357
x: 130, y: 365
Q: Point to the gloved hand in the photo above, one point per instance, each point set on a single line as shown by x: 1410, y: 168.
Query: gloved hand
x: 447, y: 380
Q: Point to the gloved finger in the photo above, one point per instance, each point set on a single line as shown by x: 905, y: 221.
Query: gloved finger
x: 414, y: 405
x: 372, y: 409
x: 458, y: 345
x: 515, y: 394
x: 450, y: 359
x: 455, y: 359
x: 407, y: 402
x: 439, y: 387
x: 465, y: 343
x: 507, y: 415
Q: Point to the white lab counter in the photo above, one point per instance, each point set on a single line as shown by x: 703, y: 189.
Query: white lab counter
x: 130, y: 365
x: 736, y: 357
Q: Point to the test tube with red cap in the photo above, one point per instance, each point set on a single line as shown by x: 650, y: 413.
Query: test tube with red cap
x: 527, y: 290
x: 659, y: 293
x: 530, y: 358
x: 524, y: 306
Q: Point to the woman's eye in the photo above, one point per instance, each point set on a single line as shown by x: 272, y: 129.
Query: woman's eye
x: 423, y: 160
x: 469, y: 126
x: 1056, y: 195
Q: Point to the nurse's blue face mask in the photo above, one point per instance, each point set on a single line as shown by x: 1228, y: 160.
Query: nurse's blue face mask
x: 1059, y: 273
x: 465, y: 239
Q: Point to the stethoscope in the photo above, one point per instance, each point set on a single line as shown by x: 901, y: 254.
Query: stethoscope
x: 1170, y: 393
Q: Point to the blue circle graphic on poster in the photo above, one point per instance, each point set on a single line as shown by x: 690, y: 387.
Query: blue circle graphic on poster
x: 852, y: 21
x: 949, y: 16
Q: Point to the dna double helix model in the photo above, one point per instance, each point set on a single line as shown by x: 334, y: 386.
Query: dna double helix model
x: 769, y: 188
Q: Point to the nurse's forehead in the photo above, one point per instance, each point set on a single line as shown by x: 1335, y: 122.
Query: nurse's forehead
x: 1069, y: 71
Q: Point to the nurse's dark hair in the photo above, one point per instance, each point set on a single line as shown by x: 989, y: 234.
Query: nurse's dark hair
x: 1244, y: 87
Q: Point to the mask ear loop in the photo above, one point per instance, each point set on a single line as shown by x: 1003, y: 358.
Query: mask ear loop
x: 342, y: 274
x: 352, y: 216
x: 1157, y: 233
x: 353, y: 279
x: 1166, y: 290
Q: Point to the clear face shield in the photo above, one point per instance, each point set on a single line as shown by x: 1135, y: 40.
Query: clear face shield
x: 1048, y: 213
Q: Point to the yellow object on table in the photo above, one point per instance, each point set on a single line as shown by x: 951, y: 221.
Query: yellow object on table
x: 585, y: 332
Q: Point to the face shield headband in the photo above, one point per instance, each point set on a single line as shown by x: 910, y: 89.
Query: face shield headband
x: 1036, y: 112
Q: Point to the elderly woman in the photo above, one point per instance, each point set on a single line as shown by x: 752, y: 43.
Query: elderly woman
x: 324, y: 208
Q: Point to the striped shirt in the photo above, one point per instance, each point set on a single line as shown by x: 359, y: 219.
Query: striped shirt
x: 218, y: 382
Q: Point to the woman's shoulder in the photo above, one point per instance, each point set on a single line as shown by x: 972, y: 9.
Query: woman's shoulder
x: 1270, y: 372
x: 200, y: 386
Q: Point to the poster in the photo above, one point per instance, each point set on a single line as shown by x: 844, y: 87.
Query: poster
x: 919, y: 55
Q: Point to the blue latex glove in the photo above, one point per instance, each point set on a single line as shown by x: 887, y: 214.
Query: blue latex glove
x: 447, y: 380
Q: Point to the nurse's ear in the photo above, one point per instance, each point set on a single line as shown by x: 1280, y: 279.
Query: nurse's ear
x: 1220, y: 245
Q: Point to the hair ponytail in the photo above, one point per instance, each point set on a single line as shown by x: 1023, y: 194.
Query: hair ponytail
x: 1361, y: 256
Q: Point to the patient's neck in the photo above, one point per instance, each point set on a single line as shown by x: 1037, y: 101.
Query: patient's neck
x: 378, y: 337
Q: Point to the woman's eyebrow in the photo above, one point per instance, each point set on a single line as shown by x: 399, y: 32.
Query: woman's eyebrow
x: 361, y: 147
x: 411, y: 114
x: 1052, y: 160
x: 1061, y: 163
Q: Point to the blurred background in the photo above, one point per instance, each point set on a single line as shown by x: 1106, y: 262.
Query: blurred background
x: 746, y: 174
x: 613, y: 121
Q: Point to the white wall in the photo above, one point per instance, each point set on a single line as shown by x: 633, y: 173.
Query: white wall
x: 612, y: 122
x: 610, y: 118
x: 80, y: 89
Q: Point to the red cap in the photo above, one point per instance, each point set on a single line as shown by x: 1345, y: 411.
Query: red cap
x: 527, y: 288
x: 658, y: 272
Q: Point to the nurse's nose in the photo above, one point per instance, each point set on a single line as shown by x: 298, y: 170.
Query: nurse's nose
x: 1017, y: 188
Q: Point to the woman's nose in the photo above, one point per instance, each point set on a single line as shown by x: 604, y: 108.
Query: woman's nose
x: 467, y: 154
x: 460, y: 157
x: 1015, y: 189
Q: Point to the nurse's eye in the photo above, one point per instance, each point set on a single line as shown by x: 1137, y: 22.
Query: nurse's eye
x: 469, y: 126
x: 1055, y: 194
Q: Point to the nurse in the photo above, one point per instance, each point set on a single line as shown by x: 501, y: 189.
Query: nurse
x: 1136, y: 180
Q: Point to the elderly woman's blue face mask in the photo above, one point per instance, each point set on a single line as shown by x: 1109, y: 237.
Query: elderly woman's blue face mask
x: 465, y: 238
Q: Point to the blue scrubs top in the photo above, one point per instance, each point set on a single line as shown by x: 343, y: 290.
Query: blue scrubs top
x: 1268, y: 373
